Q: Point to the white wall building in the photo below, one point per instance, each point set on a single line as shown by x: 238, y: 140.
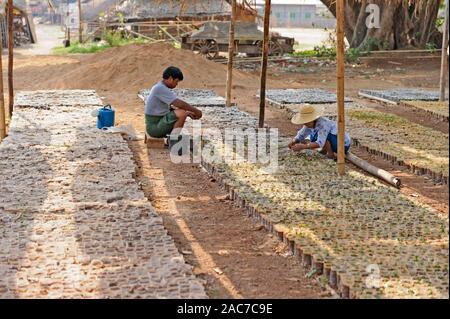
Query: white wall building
x: 298, y: 14
x: 69, y: 14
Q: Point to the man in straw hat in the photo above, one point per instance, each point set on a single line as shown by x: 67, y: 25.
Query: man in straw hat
x: 322, y: 132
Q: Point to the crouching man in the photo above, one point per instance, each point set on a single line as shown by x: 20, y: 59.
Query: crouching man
x: 160, y: 118
x: 322, y: 132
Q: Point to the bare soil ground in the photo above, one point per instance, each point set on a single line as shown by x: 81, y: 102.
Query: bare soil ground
x: 234, y: 254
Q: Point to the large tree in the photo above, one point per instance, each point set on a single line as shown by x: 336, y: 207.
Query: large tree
x: 403, y: 23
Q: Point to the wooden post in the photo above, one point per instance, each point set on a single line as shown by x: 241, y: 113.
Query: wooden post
x: 231, y: 53
x: 2, y: 97
x: 265, y: 53
x: 444, y: 62
x: 80, y: 25
x: 340, y: 20
x: 10, y: 56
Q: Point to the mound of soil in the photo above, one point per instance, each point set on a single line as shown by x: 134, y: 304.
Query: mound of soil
x: 133, y: 67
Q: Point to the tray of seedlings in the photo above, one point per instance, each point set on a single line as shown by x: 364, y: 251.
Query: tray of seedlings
x: 365, y: 238
x: 70, y: 206
x: 330, y: 109
x: 436, y: 109
x: 45, y: 99
x: 423, y: 150
x: 394, y: 138
x: 394, y: 96
x: 195, y: 97
x: 281, y: 98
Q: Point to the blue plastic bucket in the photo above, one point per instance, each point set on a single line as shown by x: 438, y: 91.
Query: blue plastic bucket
x: 105, y: 117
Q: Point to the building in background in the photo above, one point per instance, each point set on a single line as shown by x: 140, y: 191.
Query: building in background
x: 298, y: 14
x: 38, y: 8
x: 69, y: 13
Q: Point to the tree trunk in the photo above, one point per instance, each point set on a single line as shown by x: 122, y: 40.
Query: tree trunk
x: 403, y: 24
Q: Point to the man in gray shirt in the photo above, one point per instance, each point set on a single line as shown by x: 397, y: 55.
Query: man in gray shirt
x: 160, y: 118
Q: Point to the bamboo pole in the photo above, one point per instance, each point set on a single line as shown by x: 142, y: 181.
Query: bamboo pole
x: 10, y: 56
x: 378, y: 172
x: 2, y: 96
x: 168, y: 34
x: 80, y: 25
x: 231, y: 53
x: 340, y: 84
x: 144, y: 36
x: 265, y: 54
x: 444, y: 62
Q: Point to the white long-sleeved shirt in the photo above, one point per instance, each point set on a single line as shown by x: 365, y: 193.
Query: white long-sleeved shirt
x: 324, y: 126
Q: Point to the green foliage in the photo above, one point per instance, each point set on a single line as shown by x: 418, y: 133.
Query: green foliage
x: 77, y: 48
x: 110, y: 39
x: 325, y: 52
x: 431, y: 47
x: 121, y: 18
x: 318, y: 52
x: 370, y: 117
x: 352, y: 55
x: 374, y: 44
x: 304, y: 53
x: 327, y: 49
x: 439, y: 22
x: 114, y: 38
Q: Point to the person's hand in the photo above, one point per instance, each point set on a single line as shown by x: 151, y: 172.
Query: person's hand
x: 195, y: 115
x: 291, y: 144
x: 199, y: 115
x: 298, y: 147
x: 192, y: 115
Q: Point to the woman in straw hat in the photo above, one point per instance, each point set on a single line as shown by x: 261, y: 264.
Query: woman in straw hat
x: 322, y: 132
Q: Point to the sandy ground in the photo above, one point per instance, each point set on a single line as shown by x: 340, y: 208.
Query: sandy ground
x: 236, y: 256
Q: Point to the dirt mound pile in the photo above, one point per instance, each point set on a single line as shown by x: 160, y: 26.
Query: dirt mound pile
x: 134, y: 67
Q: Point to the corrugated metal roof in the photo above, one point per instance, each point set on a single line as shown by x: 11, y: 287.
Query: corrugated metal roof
x: 140, y: 9
x: 291, y: 2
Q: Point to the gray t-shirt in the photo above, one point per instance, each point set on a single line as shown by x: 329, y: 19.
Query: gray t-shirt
x: 159, y: 101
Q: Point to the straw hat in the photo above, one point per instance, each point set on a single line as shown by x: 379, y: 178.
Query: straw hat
x: 307, y: 113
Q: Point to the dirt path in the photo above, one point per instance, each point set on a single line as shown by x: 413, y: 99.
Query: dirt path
x: 49, y: 36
